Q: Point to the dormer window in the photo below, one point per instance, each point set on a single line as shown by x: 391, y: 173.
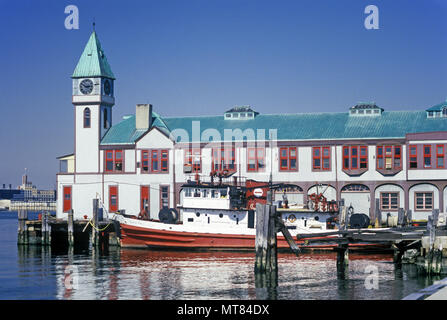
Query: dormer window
x: 240, y: 113
x: 365, y: 109
x: 438, y: 111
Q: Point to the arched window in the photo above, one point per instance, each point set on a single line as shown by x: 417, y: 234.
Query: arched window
x: 106, y: 119
x: 87, y: 118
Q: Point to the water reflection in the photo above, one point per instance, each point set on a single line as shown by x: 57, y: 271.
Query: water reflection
x: 141, y: 274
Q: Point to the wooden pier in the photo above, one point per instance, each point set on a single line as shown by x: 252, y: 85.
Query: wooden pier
x: 70, y: 233
x: 424, y: 245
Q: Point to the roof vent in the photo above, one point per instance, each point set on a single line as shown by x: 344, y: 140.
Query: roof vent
x: 240, y: 113
x: 365, y: 109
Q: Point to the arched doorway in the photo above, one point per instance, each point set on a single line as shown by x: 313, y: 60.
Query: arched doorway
x: 358, y: 196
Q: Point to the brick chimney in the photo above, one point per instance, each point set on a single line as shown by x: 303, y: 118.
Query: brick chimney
x: 143, y: 116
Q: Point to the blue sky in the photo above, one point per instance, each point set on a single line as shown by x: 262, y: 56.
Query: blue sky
x: 198, y: 57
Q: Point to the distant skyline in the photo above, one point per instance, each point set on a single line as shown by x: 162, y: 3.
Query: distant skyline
x: 204, y: 57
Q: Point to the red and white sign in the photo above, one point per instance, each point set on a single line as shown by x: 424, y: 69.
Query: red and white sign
x: 258, y: 192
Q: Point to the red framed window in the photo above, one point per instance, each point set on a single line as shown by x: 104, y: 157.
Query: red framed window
x: 87, y: 119
x: 423, y: 201
x: 379, y: 153
x: 154, y: 161
x: 67, y: 199
x: 389, y: 201
x: 355, y: 157
x: 145, y: 157
x: 321, y: 158
x: 288, y: 159
x: 193, y: 160
x: 427, y: 156
x: 389, y: 157
x: 223, y: 159
x: 346, y: 158
x: 388, y: 152
x: 440, y: 155
x: 397, y: 157
x: 114, y: 160
x: 113, y: 198
x: 363, y: 157
x: 413, y: 156
x: 164, y: 160
x: 164, y: 197
x: 255, y: 159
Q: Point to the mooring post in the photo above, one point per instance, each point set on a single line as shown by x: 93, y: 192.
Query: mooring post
x: 342, y: 258
x: 272, y: 265
x: 70, y: 228
x: 342, y: 248
x: 378, y: 215
x: 95, y: 233
x: 22, y: 238
x: 342, y: 218
x: 261, y: 242
x: 409, y: 217
x: 46, y: 229
x: 400, y: 217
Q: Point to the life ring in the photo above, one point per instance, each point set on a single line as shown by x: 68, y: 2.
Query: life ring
x: 291, y: 218
x: 252, y: 206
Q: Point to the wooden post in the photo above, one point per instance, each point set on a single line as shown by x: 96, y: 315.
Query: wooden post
x: 261, y: 241
x: 378, y: 215
x: 46, y: 229
x: 70, y: 228
x: 342, y: 259
x: 272, y: 252
x: 409, y: 217
x: 342, y: 218
x: 400, y: 217
x: 22, y: 238
x: 95, y: 233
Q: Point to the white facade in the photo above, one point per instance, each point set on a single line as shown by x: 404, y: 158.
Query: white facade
x: 120, y: 182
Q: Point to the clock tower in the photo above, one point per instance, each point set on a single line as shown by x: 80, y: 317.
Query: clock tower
x: 93, y: 99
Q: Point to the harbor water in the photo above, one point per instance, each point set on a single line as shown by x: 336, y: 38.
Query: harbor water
x: 41, y: 273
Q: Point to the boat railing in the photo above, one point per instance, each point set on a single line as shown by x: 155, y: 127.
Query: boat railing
x: 233, y: 180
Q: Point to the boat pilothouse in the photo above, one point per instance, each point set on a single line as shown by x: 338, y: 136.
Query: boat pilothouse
x: 233, y: 206
x: 220, y: 206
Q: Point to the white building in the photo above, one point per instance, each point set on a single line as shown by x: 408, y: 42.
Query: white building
x: 367, y: 153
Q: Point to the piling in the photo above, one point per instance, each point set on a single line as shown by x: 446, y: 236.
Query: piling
x: 22, y: 238
x: 432, y: 260
x: 46, y: 229
x: 262, y: 237
x: 378, y: 215
x: 70, y: 228
x: 95, y: 220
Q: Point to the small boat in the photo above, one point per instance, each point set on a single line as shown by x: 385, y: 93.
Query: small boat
x: 219, y: 216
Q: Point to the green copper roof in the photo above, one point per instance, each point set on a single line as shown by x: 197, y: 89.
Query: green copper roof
x: 303, y: 126
x: 125, y: 132
x: 93, y: 62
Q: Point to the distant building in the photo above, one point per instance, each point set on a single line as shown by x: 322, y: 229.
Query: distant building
x: 27, y: 196
x: 363, y: 154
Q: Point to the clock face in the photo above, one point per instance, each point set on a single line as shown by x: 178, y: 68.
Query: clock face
x: 107, y: 87
x: 86, y: 86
